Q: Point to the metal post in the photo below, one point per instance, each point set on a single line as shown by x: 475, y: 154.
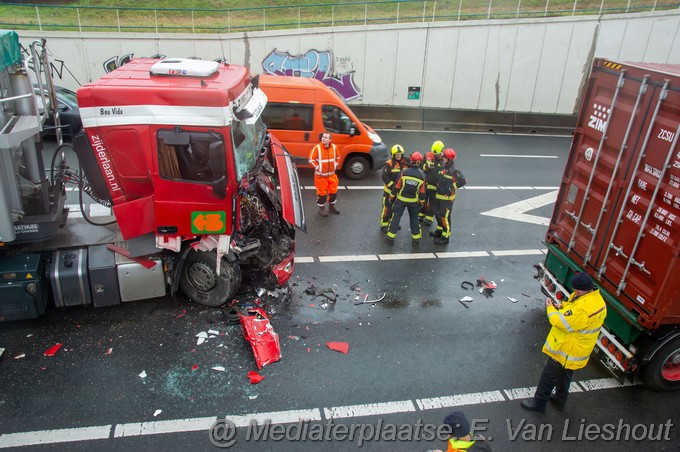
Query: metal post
x: 299, y: 17
x: 365, y: 14
x: 398, y: 5
x: 488, y: 13
x: 264, y: 19
x: 547, y: 4
x: 573, y: 10
x: 229, y: 21
x: 37, y: 12
x: 434, y: 10
x: 460, y: 6
x: 654, y: 7
x: 519, y: 2
x: 628, y: 6
x: 80, y: 26
x: 601, y: 6
x: 333, y: 16
x: 155, y: 19
x: 118, y: 16
x: 193, y: 28
x: 424, y: 8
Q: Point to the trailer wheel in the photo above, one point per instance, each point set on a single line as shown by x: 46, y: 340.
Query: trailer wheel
x: 662, y: 373
x: 356, y: 167
x: 200, y: 282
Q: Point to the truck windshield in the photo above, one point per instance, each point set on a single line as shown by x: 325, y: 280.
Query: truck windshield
x: 247, y: 141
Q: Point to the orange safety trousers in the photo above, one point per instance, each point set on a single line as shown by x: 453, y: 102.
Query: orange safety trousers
x: 325, y: 185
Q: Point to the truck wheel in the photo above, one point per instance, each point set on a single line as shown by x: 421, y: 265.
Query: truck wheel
x: 356, y: 167
x: 200, y: 282
x: 662, y: 373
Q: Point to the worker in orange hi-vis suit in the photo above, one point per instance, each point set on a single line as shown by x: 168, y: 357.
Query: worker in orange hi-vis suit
x: 324, y: 159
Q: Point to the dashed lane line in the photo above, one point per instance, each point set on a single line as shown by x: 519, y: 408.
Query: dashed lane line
x: 285, y: 417
x: 411, y: 256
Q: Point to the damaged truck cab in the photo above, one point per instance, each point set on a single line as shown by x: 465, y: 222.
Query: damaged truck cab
x: 178, y: 149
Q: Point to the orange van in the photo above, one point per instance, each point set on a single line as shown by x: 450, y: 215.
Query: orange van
x: 300, y: 109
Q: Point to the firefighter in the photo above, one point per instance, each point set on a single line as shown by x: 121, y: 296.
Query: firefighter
x: 390, y: 173
x: 409, y: 191
x: 437, y: 148
x: 427, y: 212
x: 445, y: 194
x: 324, y: 159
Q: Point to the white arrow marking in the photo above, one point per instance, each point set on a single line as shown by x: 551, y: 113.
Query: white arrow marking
x: 516, y: 210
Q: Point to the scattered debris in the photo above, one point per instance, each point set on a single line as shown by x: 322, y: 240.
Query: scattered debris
x: 466, y: 299
x: 202, y: 336
x: 467, y: 285
x: 252, y: 397
x: 514, y: 300
x: 342, y: 347
x: 181, y: 314
x: 157, y: 412
x: 2, y: 350
x: 29, y: 335
x: 528, y: 296
x: 214, y: 332
x: 486, y: 287
x: 53, y: 349
x: 23, y: 355
x: 263, y: 340
x: 108, y: 352
x: 194, y: 367
x: 367, y: 301
x: 295, y: 338
x: 143, y: 374
x: 255, y: 378
x: 218, y: 368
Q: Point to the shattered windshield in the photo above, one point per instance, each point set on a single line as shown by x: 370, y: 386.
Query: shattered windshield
x: 247, y: 140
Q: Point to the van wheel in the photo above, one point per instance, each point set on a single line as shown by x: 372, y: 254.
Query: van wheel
x: 662, y: 373
x: 356, y: 167
x: 200, y: 282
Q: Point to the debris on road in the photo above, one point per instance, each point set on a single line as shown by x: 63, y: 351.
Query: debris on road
x: 465, y: 300
x: 218, y: 368
x: 157, y: 412
x: 108, y: 352
x: 53, y: 349
x: 202, y: 336
x: 254, y: 377
x: 514, y: 300
x: 181, y: 314
x: 486, y: 287
x: 467, y: 285
x: 2, y: 350
x: 367, y: 301
x: 143, y: 374
x: 342, y: 347
x: 23, y: 355
x: 263, y: 340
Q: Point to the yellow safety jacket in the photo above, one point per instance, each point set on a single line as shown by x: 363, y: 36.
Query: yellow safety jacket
x: 575, y: 328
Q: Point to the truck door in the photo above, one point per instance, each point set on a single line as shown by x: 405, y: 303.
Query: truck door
x: 192, y: 193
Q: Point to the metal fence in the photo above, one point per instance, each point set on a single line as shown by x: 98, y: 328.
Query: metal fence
x: 210, y: 20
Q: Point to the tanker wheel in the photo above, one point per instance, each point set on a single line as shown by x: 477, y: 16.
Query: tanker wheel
x: 200, y: 282
x: 662, y: 373
x: 356, y: 167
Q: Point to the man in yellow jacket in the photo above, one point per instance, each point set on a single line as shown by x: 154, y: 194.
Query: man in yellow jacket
x: 575, y: 328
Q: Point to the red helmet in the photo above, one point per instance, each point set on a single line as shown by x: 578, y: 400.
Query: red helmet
x: 449, y: 153
x: 416, y: 157
x: 429, y: 156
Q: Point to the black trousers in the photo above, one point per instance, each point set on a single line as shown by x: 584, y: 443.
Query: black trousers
x: 398, y: 211
x: 556, y: 377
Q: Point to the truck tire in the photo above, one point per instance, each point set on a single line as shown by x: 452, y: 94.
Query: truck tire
x: 356, y: 167
x: 199, y: 280
x: 662, y: 373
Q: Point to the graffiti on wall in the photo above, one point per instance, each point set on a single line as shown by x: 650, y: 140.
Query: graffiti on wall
x: 314, y: 64
x: 57, y: 68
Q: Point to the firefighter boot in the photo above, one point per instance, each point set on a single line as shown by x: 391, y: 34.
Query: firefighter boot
x: 322, y: 211
x: 439, y: 240
x: 436, y: 233
x: 333, y: 209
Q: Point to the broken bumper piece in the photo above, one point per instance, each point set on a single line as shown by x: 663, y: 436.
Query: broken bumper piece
x: 263, y: 340
x: 284, y: 269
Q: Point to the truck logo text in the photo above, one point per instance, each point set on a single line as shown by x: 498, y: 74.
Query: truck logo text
x: 114, y: 111
x: 599, y: 117
x: 105, y: 163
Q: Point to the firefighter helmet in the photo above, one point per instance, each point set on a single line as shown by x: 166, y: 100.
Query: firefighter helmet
x: 416, y: 157
x: 397, y: 149
x: 449, y: 153
x: 437, y: 147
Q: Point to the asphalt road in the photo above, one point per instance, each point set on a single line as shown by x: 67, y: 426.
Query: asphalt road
x: 413, y: 357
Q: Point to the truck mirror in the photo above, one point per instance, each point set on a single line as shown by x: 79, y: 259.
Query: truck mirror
x: 352, y: 130
x: 216, y: 155
x: 219, y: 187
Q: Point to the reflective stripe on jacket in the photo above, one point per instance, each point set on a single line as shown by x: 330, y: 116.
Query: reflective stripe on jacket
x: 410, y: 187
x: 575, y: 329
x: 324, y: 160
x: 390, y: 172
x: 475, y: 445
x: 446, y: 183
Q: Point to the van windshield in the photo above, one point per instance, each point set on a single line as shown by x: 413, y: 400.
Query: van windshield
x: 247, y: 141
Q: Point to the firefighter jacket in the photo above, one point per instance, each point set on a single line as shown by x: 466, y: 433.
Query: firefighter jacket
x: 390, y: 172
x: 410, y: 187
x: 431, y: 176
x: 575, y: 329
x: 474, y: 445
x: 446, y: 183
x: 324, y: 160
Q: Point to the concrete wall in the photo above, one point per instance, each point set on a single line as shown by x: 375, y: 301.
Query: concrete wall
x: 521, y: 65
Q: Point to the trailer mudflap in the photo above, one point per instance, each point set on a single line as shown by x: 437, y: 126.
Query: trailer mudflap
x: 263, y: 340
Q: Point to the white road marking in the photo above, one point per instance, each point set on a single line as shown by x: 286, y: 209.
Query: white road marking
x: 516, y: 210
x: 160, y: 427
x: 457, y: 254
x: 355, y: 258
x: 521, y: 156
x: 282, y: 417
x: 475, y: 398
x: 516, y: 252
x: 371, y: 409
x: 304, y: 260
x: 276, y: 417
x: 65, y: 435
x: 398, y: 256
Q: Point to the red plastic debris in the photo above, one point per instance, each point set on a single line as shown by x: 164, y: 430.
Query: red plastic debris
x: 255, y: 378
x: 181, y: 314
x: 309, y: 350
x: 53, y: 349
x: 194, y: 367
x: 342, y: 347
x: 263, y: 340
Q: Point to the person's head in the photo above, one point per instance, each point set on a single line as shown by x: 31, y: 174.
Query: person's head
x: 326, y: 139
x: 449, y: 155
x: 581, y: 283
x: 429, y: 159
x: 460, y: 426
x: 416, y: 159
x: 397, y: 151
x: 437, y: 148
